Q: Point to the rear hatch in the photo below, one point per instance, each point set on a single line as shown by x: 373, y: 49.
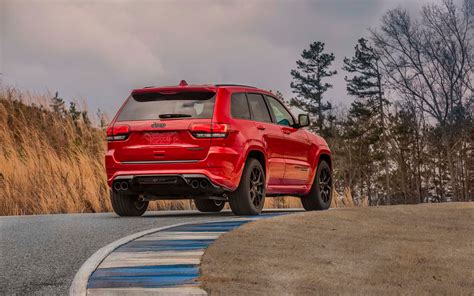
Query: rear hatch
x: 160, y: 125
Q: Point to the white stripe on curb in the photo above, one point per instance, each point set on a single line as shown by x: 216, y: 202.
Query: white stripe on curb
x: 131, y: 259
x: 149, y: 291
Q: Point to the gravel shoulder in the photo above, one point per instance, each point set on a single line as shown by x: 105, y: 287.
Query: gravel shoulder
x: 411, y: 249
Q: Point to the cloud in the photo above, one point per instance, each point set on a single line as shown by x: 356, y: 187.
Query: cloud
x: 99, y: 51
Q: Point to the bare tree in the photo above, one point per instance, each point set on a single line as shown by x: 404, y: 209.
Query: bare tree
x: 431, y: 61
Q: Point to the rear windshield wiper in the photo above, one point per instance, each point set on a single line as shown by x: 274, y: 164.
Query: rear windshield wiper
x: 173, y: 115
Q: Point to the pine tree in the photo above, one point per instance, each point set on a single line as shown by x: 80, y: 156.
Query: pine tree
x: 366, y: 86
x: 309, y: 86
x: 74, y: 112
x: 58, y: 105
x: 361, y: 133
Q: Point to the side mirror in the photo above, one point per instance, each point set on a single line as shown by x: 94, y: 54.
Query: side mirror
x: 303, y: 120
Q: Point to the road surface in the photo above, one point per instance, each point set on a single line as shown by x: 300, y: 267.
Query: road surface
x: 41, y: 254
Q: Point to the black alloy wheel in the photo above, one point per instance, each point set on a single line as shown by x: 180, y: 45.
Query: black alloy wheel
x: 320, y: 195
x: 249, y: 198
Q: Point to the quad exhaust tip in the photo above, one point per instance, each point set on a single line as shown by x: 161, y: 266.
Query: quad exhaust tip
x: 196, y: 183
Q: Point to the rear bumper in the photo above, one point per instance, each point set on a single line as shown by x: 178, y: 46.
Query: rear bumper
x: 222, y: 167
x: 168, y: 186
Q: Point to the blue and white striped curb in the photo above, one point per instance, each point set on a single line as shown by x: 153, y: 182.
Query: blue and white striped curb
x: 162, y: 261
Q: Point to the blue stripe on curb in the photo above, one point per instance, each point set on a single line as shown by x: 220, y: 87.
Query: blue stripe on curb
x: 161, y: 281
x: 208, y: 227
x: 144, y: 276
x: 175, y: 269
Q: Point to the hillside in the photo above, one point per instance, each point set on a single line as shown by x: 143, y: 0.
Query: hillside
x: 52, y: 159
x: 49, y: 162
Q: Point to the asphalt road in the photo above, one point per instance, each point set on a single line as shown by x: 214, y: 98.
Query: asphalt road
x: 41, y: 254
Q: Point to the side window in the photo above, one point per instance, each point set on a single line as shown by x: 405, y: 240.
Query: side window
x: 239, y: 108
x: 282, y: 116
x: 259, y: 108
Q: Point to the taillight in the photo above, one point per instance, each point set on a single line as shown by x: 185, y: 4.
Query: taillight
x: 118, y: 132
x: 209, y: 130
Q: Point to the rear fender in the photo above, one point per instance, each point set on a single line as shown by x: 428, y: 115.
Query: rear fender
x: 246, y: 156
x: 323, y: 150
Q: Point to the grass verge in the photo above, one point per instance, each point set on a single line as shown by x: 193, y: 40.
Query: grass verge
x: 416, y: 249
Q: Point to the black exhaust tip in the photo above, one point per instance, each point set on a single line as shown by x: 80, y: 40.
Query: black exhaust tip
x: 203, y: 184
x: 124, y: 185
x: 194, y: 184
x: 117, y: 186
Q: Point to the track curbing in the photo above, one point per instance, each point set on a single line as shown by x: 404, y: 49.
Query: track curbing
x: 81, y: 282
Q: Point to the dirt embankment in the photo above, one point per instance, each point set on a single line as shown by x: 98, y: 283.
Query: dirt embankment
x: 417, y: 249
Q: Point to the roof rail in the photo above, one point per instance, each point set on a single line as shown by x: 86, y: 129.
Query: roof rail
x: 227, y: 84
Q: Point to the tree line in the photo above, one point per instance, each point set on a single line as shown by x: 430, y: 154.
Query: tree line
x: 407, y: 136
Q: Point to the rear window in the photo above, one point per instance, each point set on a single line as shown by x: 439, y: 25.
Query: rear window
x: 259, y: 108
x: 239, y: 107
x: 162, y: 106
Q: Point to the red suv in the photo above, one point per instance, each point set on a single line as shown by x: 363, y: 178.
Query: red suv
x: 214, y: 144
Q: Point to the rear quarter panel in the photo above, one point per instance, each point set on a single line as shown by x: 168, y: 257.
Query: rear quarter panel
x: 243, y: 135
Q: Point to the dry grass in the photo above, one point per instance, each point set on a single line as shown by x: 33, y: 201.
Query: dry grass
x: 48, y: 163
x: 52, y: 164
x: 407, y: 250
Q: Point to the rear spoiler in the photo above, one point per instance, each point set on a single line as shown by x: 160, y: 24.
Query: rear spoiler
x: 174, y: 90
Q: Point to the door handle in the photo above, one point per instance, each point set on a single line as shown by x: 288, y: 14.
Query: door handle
x: 285, y: 131
x: 261, y: 127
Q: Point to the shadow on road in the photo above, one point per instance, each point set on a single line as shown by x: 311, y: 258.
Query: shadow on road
x: 191, y: 214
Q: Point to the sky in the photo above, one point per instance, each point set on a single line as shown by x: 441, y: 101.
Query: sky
x: 96, y: 52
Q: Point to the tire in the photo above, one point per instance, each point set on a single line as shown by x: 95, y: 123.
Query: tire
x: 209, y: 205
x: 127, y: 205
x: 249, y: 197
x: 319, y: 198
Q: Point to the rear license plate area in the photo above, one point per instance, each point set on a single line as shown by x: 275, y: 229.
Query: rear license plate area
x: 161, y: 138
